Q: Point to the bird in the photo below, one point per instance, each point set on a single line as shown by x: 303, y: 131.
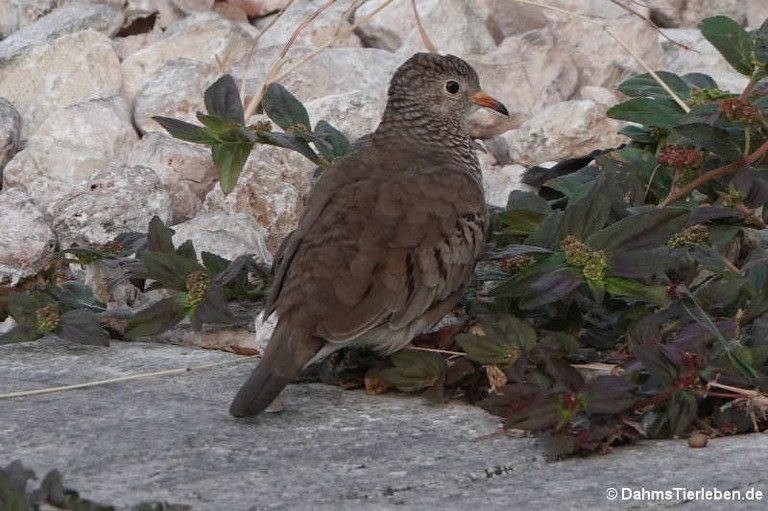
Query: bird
x: 390, y: 233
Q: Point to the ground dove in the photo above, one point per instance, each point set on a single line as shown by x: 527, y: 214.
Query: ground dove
x: 390, y: 234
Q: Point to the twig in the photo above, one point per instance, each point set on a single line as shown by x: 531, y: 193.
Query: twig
x: 280, y: 59
x: 167, y: 372
x: 616, y: 38
x: 651, y: 23
x: 720, y: 171
x: 435, y: 350
x: 256, y: 44
x: 422, y: 32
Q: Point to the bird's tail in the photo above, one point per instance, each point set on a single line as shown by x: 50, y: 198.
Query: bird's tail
x: 288, y: 351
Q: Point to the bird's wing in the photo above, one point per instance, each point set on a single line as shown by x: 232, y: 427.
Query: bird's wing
x: 380, y: 247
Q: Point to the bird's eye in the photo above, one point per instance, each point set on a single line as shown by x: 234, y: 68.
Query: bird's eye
x: 452, y: 86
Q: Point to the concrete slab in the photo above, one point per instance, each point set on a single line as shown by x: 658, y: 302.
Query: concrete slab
x: 170, y: 438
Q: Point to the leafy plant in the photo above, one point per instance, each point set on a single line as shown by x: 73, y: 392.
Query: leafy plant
x: 627, y: 298
x: 231, y: 141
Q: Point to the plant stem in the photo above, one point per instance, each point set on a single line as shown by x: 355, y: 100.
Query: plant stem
x: 720, y: 171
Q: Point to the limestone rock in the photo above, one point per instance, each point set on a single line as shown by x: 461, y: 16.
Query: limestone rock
x: 185, y: 169
x: 67, y: 19
x: 206, y: 37
x: 320, y: 31
x: 10, y: 131
x: 15, y: 14
x: 27, y: 241
x: 355, y: 113
x: 71, y: 145
x: 115, y: 200
x: 228, y: 235
x: 757, y: 13
x: 703, y: 58
x: 510, y: 18
x: 387, y: 29
x: 454, y: 26
x: 175, y: 90
x: 600, y: 59
x: 271, y: 189
x: 567, y: 129
x: 71, y: 69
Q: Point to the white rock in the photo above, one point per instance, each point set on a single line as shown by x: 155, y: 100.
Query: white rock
x: 206, y: 37
x: 600, y: 59
x: 27, y: 242
x: 601, y: 95
x: 264, y: 329
x: 175, y: 90
x: 509, y: 18
x: 454, y: 26
x: 527, y: 73
x: 228, y: 235
x: 757, y: 13
x: 10, y: 132
x: 389, y: 27
x: 333, y: 71
x: 688, y: 13
x: 115, y: 200
x: 67, y: 19
x: 71, y: 69
x: 354, y: 113
x: 595, y: 8
x: 567, y: 129
x: 320, y: 31
x: 703, y: 58
x: 15, y: 14
x: 271, y: 189
x: 72, y: 144
x: 192, y: 6
x: 167, y: 13
x: 500, y: 180
x: 185, y: 169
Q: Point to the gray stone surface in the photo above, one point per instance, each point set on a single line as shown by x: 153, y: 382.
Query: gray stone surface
x: 170, y: 438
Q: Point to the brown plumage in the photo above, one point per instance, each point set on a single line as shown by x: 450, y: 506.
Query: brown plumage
x: 390, y: 235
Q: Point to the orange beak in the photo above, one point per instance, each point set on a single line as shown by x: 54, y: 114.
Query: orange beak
x: 483, y: 99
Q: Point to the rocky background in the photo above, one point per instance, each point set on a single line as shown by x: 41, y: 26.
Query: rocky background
x: 81, y: 160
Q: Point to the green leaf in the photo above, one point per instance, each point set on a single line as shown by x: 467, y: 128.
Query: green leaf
x: 618, y: 286
x: 216, y: 126
x: 588, y: 214
x: 414, y: 370
x: 187, y: 250
x: 222, y: 99
x: 503, y: 343
x: 339, y: 144
x: 521, y: 221
x: 646, y: 86
x: 289, y: 141
x: 731, y: 40
x: 283, y: 108
x: 639, y: 134
x: 574, y: 185
x: 171, y: 270
x: 662, y: 113
x: 712, y: 138
x: 155, y: 319
x: 214, y: 263
x: 518, y: 284
x: 551, y: 287
x: 160, y: 237
x: 519, y: 199
x: 83, y: 327
x: 185, y: 131
x: 229, y: 158
x: 700, y: 81
x: 23, y: 307
x: 75, y: 294
x: 645, y: 230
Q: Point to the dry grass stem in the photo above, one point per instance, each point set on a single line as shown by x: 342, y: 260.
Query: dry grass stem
x: 166, y: 372
x: 422, y: 32
x: 651, y: 23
